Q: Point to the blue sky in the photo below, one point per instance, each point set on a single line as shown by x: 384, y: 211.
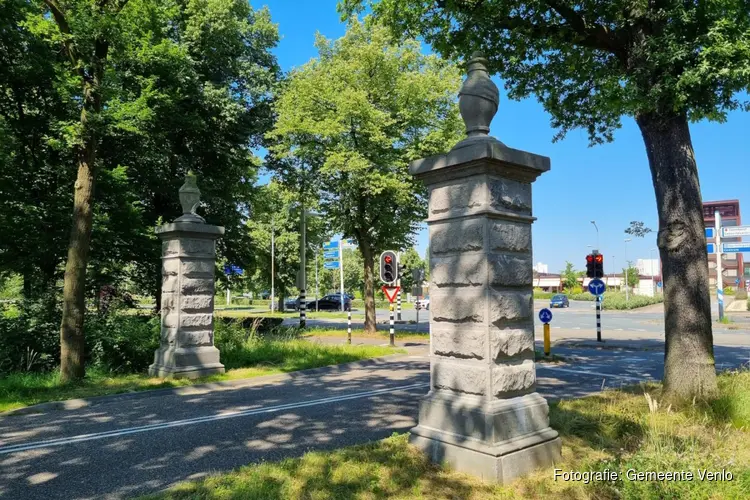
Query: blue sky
x: 564, y: 202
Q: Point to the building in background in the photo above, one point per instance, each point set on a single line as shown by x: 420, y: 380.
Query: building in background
x: 732, y: 263
x: 541, y: 268
x: 648, y: 267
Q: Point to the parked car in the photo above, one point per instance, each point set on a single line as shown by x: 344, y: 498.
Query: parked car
x: 559, y: 300
x: 348, y: 295
x: 265, y: 295
x: 291, y: 304
x: 331, y: 303
x: 422, y: 304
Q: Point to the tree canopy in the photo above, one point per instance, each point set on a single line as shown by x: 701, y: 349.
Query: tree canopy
x: 355, y: 117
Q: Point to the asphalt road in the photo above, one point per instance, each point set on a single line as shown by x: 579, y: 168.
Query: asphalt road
x: 120, y: 446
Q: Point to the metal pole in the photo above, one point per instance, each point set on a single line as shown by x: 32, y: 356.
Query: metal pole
x: 302, y: 266
x: 598, y: 319
x: 349, y: 328
x: 392, y: 332
x: 627, y: 268
x: 398, y: 300
x: 546, y: 339
x: 417, y: 307
x: 341, y: 271
x: 719, y: 275
x: 316, y: 278
x: 273, y: 249
x: 597, y: 233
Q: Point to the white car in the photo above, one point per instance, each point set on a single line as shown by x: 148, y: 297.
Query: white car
x: 422, y: 304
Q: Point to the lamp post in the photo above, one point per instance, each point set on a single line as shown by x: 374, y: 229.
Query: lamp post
x: 597, y: 234
x: 273, y: 249
x: 627, y: 268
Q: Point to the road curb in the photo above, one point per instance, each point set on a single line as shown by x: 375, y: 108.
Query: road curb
x: 609, y: 345
x: 75, y: 404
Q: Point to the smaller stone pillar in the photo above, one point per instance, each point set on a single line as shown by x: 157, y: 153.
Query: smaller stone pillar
x: 482, y: 415
x: 187, y: 293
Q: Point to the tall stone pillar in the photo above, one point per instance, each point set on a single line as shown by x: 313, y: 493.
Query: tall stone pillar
x: 187, y: 293
x: 482, y: 414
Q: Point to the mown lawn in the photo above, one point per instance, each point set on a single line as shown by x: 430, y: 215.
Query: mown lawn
x: 253, y: 359
x: 613, y: 430
x: 359, y: 333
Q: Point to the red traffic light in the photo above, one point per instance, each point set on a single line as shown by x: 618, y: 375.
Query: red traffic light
x: 388, y: 259
x: 589, y: 258
x: 600, y: 258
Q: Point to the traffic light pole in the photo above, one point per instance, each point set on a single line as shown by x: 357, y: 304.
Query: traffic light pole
x: 391, y: 331
x: 598, y: 320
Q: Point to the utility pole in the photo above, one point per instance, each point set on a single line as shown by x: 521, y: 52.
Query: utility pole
x: 301, y: 279
x: 316, y: 279
x: 341, y: 271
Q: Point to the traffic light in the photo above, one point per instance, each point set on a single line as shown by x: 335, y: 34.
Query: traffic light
x: 590, y: 266
x: 388, y: 267
x: 598, y: 266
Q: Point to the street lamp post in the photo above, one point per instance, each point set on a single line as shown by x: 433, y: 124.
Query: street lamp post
x: 273, y: 249
x: 627, y: 268
x: 597, y: 234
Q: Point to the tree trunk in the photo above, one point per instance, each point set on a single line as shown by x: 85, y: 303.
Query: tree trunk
x: 689, y: 370
x: 72, y: 341
x: 370, y: 323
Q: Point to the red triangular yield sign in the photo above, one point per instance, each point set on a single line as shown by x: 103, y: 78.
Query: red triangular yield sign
x: 390, y: 292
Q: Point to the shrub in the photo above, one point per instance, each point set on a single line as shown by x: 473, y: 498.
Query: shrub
x: 539, y: 294
x: 121, y: 343
x: 30, y: 338
x: 729, y: 291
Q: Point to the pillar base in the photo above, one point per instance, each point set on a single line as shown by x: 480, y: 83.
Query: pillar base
x: 187, y: 362
x: 498, y: 442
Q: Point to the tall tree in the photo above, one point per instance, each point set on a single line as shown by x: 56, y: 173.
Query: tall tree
x: 663, y: 62
x: 356, y: 116
x: 569, y: 276
x: 159, y: 87
x: 410, y: 260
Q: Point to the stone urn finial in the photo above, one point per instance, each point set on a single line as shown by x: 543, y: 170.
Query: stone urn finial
x: 190, y: 198
x: 478, y: 100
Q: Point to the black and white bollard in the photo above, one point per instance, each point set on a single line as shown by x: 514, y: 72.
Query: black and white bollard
x: 302, y: 309
x: 398, y: 305
x: 392, y: 332
x: 598, y: 319
x: 349, y: 328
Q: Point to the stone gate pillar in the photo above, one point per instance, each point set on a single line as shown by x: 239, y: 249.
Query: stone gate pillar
x: 187, y: 293
x: 482, y: 414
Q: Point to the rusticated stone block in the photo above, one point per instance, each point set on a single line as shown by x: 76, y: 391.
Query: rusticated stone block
x: 459, y: 308
x: 197, y: 286
x: 170, y: 247
x: 457, y: 236
x: 197, y: 246
x: 196, y: 338
x: 460, y: 377
x: 508, y: 342
x: 513, y: 378
x: 458, y: 271
x: 197, y: 268
x: 170, y: 267
x: 197, y: 303
x: 187, y: 320
x: 168, y: 335
x: 457, y: 199
x: 170, y: 284
x: 169, y: 320
x: 168, y: 301
x: 458, y: 341
x: 506, y: 194
x: 510, y: 306
x: 510, y: 270
x: 510, y: 236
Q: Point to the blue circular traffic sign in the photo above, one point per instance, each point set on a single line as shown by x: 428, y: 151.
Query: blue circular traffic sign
x: 597, y: 287
x: 545, y: 315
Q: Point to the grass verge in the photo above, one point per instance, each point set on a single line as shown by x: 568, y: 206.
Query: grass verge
x: 253, y: 359
x: 614, y: 430
x: 359, y: 333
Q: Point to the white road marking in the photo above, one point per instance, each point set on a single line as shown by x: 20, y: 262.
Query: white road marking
x: 585, y: 372
x: 198, y: 420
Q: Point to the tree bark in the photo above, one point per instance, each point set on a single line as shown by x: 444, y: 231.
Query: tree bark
x: 367, y: 257
x: 689, y: 370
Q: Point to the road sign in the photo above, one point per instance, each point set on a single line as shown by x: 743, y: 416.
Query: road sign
x: 417, y: 291
x: 735, y: 231
x: 659, y: 284
x: 735, y: 247
x: 711, y: 248
x: 597, y: 287
x: 709, y: 233
x: 391, y: 292
x: 333, y: 264
x: 331, y: 254
x: 545, y: 315
x: 331, y: 244
x: 232, y: 269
